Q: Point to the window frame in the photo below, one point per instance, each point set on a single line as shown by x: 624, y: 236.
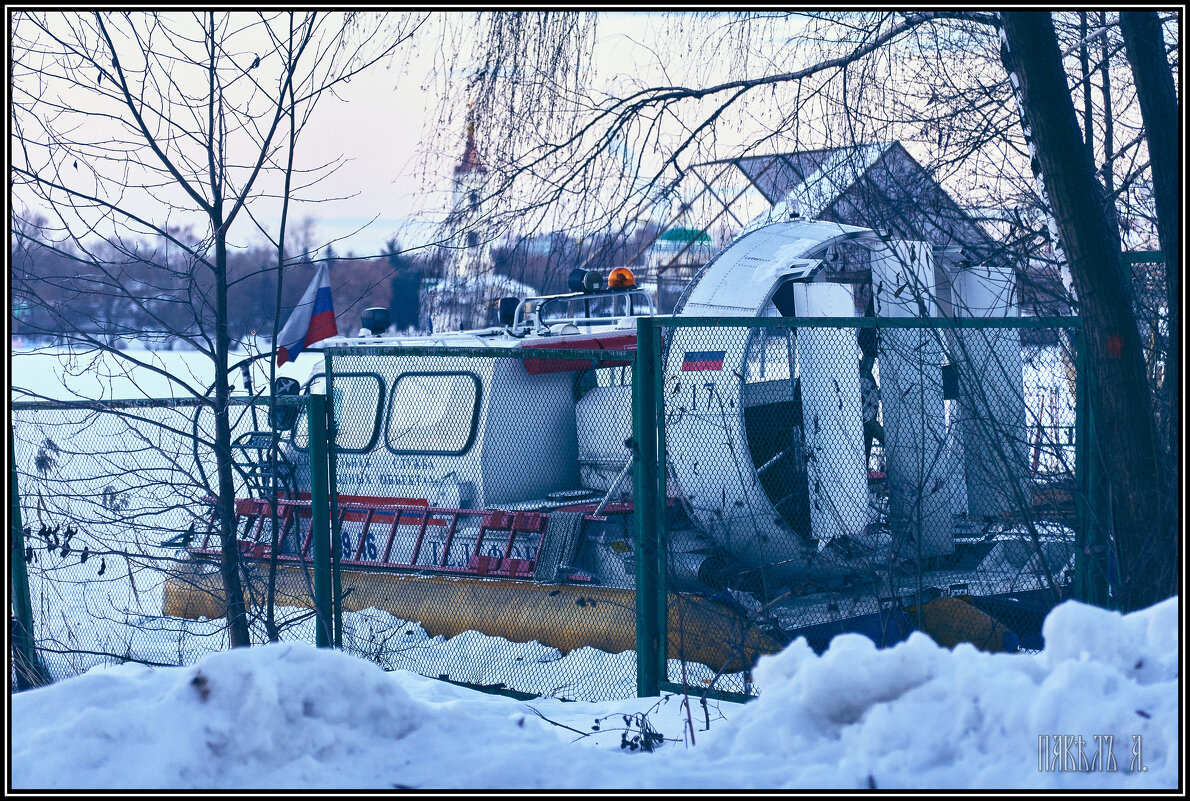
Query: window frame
x: 471, y: 435
x: 376, y: 421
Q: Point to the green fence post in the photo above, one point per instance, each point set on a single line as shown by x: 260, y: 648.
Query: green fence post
x: 1082, y: 482
x: 320, y: 520
x: 30, y: 672
x: 644, y: 479
x: 332, y: 486
x: 660, y: 531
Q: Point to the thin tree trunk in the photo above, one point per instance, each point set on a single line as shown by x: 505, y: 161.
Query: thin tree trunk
x: 229, y: 565
x: 274, y: 633
x: 1084, y: 63
x: 229, y: 561
x: 1119, y: 396
x: 1109, y: 150
x: 1159, y: 109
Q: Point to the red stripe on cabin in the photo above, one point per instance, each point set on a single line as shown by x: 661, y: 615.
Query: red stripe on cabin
x: 602, y: 342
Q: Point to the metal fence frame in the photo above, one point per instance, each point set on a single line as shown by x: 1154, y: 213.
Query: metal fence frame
x: 648, y: 449
x: 30, y: 669
x: 649, y: 437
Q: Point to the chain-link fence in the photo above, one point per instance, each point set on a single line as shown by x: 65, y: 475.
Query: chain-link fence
x: 876, y: 476
x: 486, y: 503
x: 483, y: 503
x: 116, y: 537
x: 589, y: 521
x: 1150, y: 304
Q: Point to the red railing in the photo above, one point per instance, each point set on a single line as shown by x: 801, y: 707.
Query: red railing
x: 504, y: 526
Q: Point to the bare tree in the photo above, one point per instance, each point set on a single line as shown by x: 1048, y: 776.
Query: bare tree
x: 1124, y: 421
x: 126, y: 126
x: 1159, y: 105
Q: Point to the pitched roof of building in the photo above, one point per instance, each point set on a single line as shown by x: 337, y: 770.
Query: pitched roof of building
x: 875, y: 185
x: 815, y: 178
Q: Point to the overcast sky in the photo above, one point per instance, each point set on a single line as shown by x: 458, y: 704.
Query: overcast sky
x: 400, y: 127
x: 386, y: 123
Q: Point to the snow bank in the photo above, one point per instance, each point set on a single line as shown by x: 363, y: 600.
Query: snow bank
x: 915, y: 715
x: 286, y: 715
x: 918, y: 715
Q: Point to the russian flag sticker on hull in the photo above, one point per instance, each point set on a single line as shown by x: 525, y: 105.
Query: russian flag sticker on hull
x: 695, y: 360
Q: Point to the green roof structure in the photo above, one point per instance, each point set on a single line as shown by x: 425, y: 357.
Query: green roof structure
x: 684, y: 235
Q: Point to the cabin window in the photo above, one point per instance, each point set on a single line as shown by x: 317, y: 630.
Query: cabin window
x: 357, y: 398
x: 433, y: 413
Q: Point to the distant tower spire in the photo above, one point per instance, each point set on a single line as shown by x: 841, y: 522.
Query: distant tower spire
x: 461, y: 300
x: 468, y: 253
x: 470, y: 162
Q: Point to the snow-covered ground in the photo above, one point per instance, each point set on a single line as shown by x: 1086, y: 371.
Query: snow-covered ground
x: 1097, y: 709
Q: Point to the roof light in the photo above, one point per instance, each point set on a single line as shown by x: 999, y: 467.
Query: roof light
x: 621, y: 278
x: 581, y: 280
x: 375, y: 320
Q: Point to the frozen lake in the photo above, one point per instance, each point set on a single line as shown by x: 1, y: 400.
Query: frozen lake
x: 61, y: 373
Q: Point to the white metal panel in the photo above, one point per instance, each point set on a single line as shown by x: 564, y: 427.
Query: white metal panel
x: 991, y: 394
x: 604, y: 417
x: 707, y: 451
x: 530, y: 446
x: 903, y: 280
x: 917, y: 452
x: 832, y: 412
x: 741, y: 280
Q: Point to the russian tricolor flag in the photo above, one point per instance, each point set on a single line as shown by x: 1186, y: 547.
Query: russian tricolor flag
x: 313, y: 319
x: 695, y: 360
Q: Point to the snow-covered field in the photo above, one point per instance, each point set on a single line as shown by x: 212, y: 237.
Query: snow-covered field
x: 1098, y: 709
x: 81, y: 627
x: 61, y: 373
